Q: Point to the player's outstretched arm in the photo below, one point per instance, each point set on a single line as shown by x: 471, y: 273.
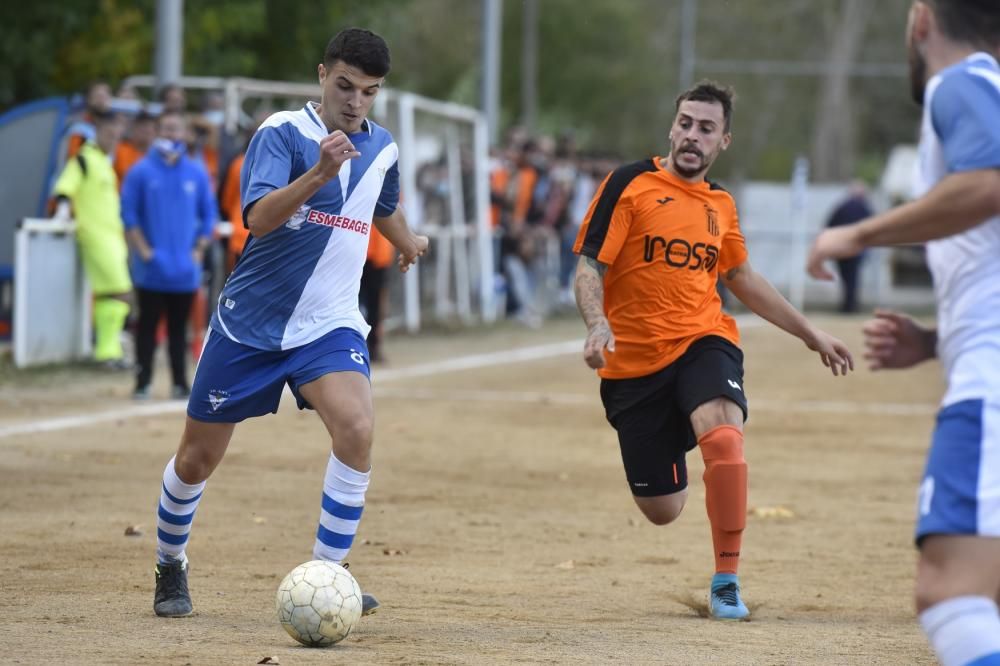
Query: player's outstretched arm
x: 959, y: 202
x: 397, y: 232
x: 589, y: 289
x: 275, y: 208
x: 764, y: 300
x: 893, y: 340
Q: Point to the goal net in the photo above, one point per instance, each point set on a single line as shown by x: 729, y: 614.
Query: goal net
x: 444, y: 178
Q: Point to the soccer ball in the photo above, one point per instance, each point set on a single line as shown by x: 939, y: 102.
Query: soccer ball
x: 319, y: 603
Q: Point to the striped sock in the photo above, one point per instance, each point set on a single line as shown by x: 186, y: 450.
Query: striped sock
x: 178, y: 501
x: 965, y: 631
x: 343, y: 501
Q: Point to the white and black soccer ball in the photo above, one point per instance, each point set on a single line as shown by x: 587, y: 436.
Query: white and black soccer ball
x: 319, y: 603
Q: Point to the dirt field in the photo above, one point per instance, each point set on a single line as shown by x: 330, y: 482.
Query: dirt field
x: 498, y: 528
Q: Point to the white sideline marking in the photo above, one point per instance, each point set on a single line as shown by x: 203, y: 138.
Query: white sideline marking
x: 846, y: 407
x: 474, y: 395
x: 480, y: 361
x: 470, y: 362
x: 79, y: 420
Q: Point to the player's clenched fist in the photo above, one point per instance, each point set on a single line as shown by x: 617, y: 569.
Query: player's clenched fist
x: 335, y: 149
x: 599, y: 338
x: 408, y: 257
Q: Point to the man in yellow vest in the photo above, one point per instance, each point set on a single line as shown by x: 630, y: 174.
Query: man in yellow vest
x: 89, y: 187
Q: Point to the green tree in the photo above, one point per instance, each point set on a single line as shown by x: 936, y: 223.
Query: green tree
x: 606, y: 70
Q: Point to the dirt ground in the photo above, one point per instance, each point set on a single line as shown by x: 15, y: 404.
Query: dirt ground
x: 499, y: 528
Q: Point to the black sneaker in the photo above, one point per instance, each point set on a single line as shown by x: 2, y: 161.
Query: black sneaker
x: 179, y: 392
x: 369, y: 604
x: 172, y: 598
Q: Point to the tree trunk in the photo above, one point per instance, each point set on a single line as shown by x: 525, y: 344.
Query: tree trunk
x: 833, y: 148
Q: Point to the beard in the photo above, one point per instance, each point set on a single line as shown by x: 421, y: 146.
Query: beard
x: 688, y: 172
x: 918, y: 75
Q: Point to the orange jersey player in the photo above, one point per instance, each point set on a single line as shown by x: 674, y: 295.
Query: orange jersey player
x: 656, y: 240
x: 665, y: 242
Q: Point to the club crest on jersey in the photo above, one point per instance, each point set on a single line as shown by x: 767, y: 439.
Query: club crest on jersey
x: 298, y: 217
x: 712, y: 216
x: 216, y: 397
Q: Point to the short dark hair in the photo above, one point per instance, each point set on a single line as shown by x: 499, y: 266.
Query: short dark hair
x: 710, y: 91
x: 161, y: 95
x: 359, y: 48
x: 101, y: 117
x: 972, y: 22
x: 96, y: 83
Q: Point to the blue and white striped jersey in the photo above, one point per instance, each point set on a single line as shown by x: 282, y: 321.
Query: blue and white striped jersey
x: 301, y: 281
x: 961, y: 132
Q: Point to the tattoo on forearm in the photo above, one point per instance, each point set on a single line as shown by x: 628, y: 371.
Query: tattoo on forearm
x: 589, y: 288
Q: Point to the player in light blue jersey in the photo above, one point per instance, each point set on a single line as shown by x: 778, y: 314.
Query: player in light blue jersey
x: 953, y: 46
x: 313, y: 183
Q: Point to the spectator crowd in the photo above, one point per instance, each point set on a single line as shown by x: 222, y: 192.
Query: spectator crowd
x: 141, y: 179
x: 540, y: 189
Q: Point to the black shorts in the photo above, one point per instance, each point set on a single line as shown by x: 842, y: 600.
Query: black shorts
x: 652, y: 413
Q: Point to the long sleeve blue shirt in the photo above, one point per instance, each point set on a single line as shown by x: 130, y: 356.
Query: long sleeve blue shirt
x: 173, y: 206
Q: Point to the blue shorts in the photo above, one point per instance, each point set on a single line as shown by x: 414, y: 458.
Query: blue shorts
x: 234, y: 382
x: 960, y: 492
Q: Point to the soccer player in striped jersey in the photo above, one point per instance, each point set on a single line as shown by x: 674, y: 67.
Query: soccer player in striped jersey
x: 953, y: 46
x: 313, y: 182
x: 656, y: 241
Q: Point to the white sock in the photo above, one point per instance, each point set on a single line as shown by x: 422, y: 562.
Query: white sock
x: 964, y: 631
x: 178, y: 500
x: 343, y: 501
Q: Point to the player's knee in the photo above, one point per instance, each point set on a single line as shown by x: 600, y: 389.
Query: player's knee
x: 192, y: 465
x: 725, y: 477
x: 662, y: 510
x: 939, y: 579
x: 722, y: 444
x: 932, y: 587
x: 722, y: 449
x: 355, y: 434
x: 709, y: 416
x: 661, y: 516
x: 196, y: 460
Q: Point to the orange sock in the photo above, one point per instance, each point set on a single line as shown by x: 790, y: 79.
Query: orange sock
x: 725, y: 493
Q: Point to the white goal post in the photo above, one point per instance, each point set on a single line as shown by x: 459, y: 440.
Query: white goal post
x: 461, y: 234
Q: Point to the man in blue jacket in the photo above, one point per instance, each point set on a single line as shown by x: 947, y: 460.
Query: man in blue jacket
x: 169, y: 211
x: 852, y: 209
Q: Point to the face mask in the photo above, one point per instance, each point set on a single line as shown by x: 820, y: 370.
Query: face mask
x: 167, y: 148
x: 214, y: 117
